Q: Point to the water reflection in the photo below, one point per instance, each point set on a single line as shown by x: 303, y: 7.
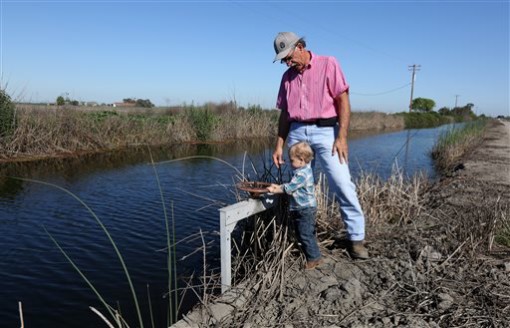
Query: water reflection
x: 73, y: 168
x: 10, y: 187
x: 407, y: 151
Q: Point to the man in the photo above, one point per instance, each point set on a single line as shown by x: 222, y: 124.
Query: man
x: 314, y: 103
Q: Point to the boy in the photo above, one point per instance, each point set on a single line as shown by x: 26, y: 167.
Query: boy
x: 303, y: 205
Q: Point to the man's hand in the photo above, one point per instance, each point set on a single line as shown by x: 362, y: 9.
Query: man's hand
x: 343, y: 110
x: 278, y: 157
x: 341, y: 148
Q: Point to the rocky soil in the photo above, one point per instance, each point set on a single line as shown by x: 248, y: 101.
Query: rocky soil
x: 444, y: 268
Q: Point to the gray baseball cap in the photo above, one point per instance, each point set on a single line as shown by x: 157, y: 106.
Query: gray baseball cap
x: 283, y: 44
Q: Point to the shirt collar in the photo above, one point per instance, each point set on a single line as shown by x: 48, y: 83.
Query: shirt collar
x: 312, y: 60
x: 310, y: 64
x: 304, y: 167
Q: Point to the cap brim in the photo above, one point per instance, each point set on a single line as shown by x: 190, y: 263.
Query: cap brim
x: 282, y: 55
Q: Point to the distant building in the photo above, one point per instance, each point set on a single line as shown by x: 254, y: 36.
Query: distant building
x: 124, y: 104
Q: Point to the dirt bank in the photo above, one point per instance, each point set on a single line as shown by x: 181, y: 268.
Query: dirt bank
x: 442, y: 269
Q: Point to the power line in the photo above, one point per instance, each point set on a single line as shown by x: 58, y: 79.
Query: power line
x: 314, y: 25
x: 379, y: 93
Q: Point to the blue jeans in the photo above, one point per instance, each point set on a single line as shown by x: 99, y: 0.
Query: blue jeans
x: 304, y: 223
x: 321, y: 140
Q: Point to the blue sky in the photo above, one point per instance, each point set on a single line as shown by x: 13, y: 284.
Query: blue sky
x: 175, y: 52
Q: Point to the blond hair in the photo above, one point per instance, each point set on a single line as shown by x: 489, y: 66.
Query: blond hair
x: 301, y: 150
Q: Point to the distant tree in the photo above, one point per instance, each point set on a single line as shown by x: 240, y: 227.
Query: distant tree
x: 423, y: 104
x: 75, y: 102
x: 144, y: 103
x: 129, y: 100
x: 465, y: 111
x: 444, y: 111
x: 60, y: 101
x: 7, y: 114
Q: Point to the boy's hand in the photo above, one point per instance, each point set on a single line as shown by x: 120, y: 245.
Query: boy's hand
x: 275, y: 189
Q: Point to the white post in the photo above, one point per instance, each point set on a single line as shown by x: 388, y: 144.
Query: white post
x: 229, y: 216
x: 226, y: 252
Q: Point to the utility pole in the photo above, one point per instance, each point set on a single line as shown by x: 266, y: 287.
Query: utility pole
x: 414, y: 69
x: 456, y: 97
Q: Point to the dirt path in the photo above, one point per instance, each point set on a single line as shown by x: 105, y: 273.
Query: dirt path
x: 443, y: 269
x: 491, y: 163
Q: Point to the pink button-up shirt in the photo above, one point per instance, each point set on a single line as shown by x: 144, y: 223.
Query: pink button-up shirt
x: 310, y: 95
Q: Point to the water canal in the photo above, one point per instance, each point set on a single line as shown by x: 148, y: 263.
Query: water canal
x: 121, y: 188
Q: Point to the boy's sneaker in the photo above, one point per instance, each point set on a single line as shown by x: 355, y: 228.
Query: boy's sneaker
x: 310, y: 265
x: 357, y: 250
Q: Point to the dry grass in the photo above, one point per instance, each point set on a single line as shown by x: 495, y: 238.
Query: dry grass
x: 502, y: 225
x: 481, y: 223
x: 54, y: 132
x: 458, y: 289
x: 264, y: 253
x: 246, y: 124
x: 396, y: 200
x: 468, y: 272
x: 46, y: 131
x: 375, y: 121
x: 266, y: 248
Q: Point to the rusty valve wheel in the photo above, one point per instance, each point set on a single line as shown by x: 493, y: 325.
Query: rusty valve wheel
x: 254, y: 188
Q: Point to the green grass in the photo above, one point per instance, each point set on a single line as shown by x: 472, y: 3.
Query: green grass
x: 453, y: 144
x: 416, y: 120
x: 502, y: 236
x: 7, y: 115
x: 102, y: 115
x: 203, y: 120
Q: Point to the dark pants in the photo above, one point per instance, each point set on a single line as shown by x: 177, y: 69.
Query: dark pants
x: 304, y: 223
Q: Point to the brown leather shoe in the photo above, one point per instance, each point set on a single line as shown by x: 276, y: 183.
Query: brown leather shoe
x: 357, y: 250
x: 310, y: 265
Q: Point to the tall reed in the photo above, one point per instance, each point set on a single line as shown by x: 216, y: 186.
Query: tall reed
x: 171, y: 252
x: 112, y: 242
x: 173, y: 301
x: 42, y: 132
x: 370, y: 121
x: 395, y: 200
x: 453, y: 144
x: 266, y: 247
x: 46, y: 131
